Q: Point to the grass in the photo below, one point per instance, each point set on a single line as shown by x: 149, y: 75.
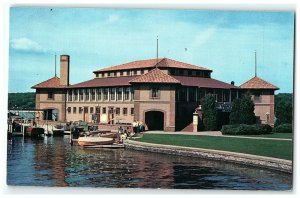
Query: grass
x: 274, y: 135
x: 270, y: 148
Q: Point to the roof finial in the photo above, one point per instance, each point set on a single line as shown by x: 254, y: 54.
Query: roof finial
x: 55, y: 65
x: 157, y: 51
x: 255, y: 64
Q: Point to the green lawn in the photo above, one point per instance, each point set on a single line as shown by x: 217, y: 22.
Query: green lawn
x: 274, y: 135
x: 271, y: 148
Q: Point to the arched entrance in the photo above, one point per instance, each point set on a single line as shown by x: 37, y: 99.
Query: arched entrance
x: 154, y: 120
x: 50, y: 114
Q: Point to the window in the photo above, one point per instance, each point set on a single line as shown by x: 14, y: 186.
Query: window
x: 192, y: 95
x: 50, y: 95
x: 119, y: 94
x: 121, y: 73
x: 97, y: 75
x: 132, y: 111
x: 142, y: 71
x: 69, y: 109
x: 115, y: 74
x: 108, y: 74
x: 132, y: 94
x: 154, y: 92
x: 128, y: 73
x: 80, y: 94
x: 75, y: 95
x: 99, y: 94
x: 80, y: 110
x: 87, y: 94
x: 70, y: 95
x: 113, y: 94
x: 124, y: 111
x: 190, y: 73
x: 200, y: 94
x: 105, y: 94
x: 181, y: 72
x: 172, y: 71
x: 135, y: 72
x: 117, y: 111
x: 98, y: 110
x: 257, y: 98
x: 91, y: 110
x: 127, y: 92
x: 182, y: 94
x: 93, y: 95
x: 102, y: 74
x: 104, y: 110
x: 86, y: 109
x: 74, y: 109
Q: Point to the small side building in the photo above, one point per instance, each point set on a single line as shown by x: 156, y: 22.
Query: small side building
x: 262, y: 94
x: 51, y: 94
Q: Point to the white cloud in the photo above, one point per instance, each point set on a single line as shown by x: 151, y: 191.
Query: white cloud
x: 113, y: 18
x: 26, y: 45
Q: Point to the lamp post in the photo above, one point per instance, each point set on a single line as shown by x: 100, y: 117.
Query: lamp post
x: 268, y: 117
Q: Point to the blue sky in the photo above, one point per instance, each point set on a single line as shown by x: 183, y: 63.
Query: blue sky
x: 223, y: 41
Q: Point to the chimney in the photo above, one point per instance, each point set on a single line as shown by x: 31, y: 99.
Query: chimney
x: 232, y: 83
x: 64, y: 69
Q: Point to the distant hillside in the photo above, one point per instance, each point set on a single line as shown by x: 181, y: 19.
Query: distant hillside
x: 21, y: 100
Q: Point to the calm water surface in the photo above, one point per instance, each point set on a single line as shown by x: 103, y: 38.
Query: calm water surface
x: 53, y: 162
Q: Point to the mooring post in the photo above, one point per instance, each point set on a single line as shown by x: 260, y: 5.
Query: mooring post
x: 71, y: 138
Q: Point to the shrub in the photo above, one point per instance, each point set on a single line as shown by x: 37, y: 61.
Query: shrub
x: 209, y: 112
x: 244, y: 129
x: 283, y: 128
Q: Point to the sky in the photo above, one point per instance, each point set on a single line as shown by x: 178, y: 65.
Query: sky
x: 95, y: 38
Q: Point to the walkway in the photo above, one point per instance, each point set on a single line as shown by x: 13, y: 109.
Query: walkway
x: 214, y: 133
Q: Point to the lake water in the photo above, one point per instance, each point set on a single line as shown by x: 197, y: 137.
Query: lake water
x: 52, y: 161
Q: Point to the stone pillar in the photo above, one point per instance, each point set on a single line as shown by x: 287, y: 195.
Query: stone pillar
x: 195, y: 122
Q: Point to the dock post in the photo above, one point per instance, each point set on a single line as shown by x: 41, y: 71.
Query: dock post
x: 71, y: 137
x: 23, y: 129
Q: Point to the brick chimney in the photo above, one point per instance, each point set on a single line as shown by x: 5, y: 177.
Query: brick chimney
x: 64, y: 69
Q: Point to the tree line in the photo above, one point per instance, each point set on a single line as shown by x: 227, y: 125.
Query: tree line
x: 21, y: 100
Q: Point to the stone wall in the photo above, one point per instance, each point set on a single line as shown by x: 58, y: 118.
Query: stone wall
x: 239, y: 158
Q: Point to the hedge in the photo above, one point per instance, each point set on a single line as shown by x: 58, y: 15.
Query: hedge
x: 283, y: 128
x: 244, y: 129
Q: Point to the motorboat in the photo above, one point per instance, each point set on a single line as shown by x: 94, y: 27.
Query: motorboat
x: 92, y: 140
x: 34, y: 131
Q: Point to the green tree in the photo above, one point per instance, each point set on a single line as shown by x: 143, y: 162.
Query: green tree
x: 209, y: 112
x: 234, y: 117
x: 284, y: 108
x: 247, y: 115
x: 284, y: 112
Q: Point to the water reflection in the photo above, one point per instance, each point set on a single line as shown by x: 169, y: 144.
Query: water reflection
x: 53, y: 162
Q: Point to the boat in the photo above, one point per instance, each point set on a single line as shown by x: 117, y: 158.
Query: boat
x: 34, y: 131
x: 91, y: 141
x: 58, y: 130
x: 108, y: 135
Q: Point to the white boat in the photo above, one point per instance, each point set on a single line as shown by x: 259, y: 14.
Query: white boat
x: 91, y: 141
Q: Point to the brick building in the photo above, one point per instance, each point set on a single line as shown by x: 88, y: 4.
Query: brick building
x: 162, y: 93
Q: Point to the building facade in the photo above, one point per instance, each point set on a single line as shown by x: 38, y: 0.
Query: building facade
x: 162, y: 93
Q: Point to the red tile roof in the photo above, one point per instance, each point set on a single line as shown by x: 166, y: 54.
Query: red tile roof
x: 105, y: 82
x: 151, y: 63
x: 203, y: 82
x: 50, y: 83
x: 154, y: 76
x: 258, y: 83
